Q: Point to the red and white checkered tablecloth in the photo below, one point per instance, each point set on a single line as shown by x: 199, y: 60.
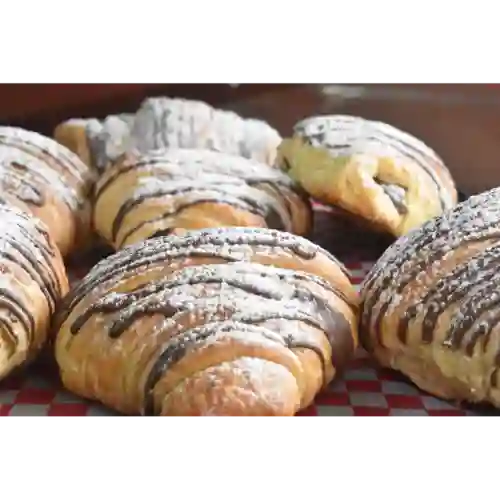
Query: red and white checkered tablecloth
x: 363, y: 390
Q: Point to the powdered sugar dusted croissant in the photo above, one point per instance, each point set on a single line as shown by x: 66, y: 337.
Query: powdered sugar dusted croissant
x: 32, y: 281
x: 182, y: 123
x: 430, y: 306
x: 228, y: 321
x: 167, y: 190
x: 97, y: 142
x: 41, y: 177
x: 374, y: 173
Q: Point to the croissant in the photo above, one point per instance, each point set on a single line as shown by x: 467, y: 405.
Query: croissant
x: 229, y: 321
x: 167, y: 190
x: 32, y: 281
x: 162, y: 122
x: 371, y: 172
x: 98, y: 143
x: 430, y: 306
x: 45, y: 179
x: 181, y: 123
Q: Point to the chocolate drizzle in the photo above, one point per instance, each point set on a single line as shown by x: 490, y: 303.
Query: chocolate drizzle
x: 224, y: 244
x: 24, y: 245
x: 411, y: 255
x: 48, y: 282
x: 152, y: 299
x: 163, y: 122
x: 15, y: 306
x: 37, y: 163
x: 183, y: 178
x: 346, y: 136
x: 199, y: 305
x: 244, y: 293
x: 24, y: 189
x: 463, y: 285
x: 396, y: 194
x: 191, y: 193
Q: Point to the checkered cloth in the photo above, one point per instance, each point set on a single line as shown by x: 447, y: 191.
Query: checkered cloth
x: 364, y: 389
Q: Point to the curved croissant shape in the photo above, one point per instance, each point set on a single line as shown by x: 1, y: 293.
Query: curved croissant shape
x: 163, y: 122
x: 430, y: 306
x: 43, y: 178
x: 372, y: 172
x: 230, y: 321
x: 32, y: 281
x: 180, y: 189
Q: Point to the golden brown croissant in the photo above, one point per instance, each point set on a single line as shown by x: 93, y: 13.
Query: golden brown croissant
x: 40, y: 176
x: 430, y: 306
x: 231, y: 321
x: 32, y: 281
x: 146, y: 195
x: 97, y: 142
x: 373, y: 172
x: 163, y: 122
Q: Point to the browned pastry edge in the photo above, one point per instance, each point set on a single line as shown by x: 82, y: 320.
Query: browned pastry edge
x: 32, y: 281
x: 168, y: 191
x: 154, y: 268
x: 430, y: 306
x: 46, y: 179
x: 72, y: 135
x: 376, y: 172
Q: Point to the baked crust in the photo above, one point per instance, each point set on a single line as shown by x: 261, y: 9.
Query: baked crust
x: 430, y: 305
x: 376, y: 173
x: 230, y: 321
x: 32, y: 281
x: 44, y: 178
x: 162, y: 122
x: 97, y: 142
x: 172, y: 190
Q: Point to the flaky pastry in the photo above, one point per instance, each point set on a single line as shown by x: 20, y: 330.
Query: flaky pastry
x: 231, y: 321
x: 162, y: 122
x: 165, y: 191
x: 44, y: 178
x: 97, y: 142
x: 373, y: 172
x: 430, y: 306
x: 32, y: 281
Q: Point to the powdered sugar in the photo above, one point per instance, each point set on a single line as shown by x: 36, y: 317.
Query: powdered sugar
x: 210, y: 305
x: 468, y: 284
x: 41, y: 163
x: 350, y: 135
x: 178, y: 179
x: 179, y: 123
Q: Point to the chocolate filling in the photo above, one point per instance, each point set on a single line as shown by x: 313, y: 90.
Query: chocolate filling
x: 396, y: 193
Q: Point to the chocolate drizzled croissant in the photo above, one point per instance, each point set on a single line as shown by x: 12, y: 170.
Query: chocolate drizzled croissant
x: 181, y: 123
x: 230, y: 321
x: 166, y: 190
x: 32, y: 281
x: 162, y: 122
x: 431, y: 308
x: 373, y: 172
x: 43, y: 178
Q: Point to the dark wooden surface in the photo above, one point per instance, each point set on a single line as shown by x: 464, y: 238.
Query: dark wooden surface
x: 45, y: 105
x: 461, y: 122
